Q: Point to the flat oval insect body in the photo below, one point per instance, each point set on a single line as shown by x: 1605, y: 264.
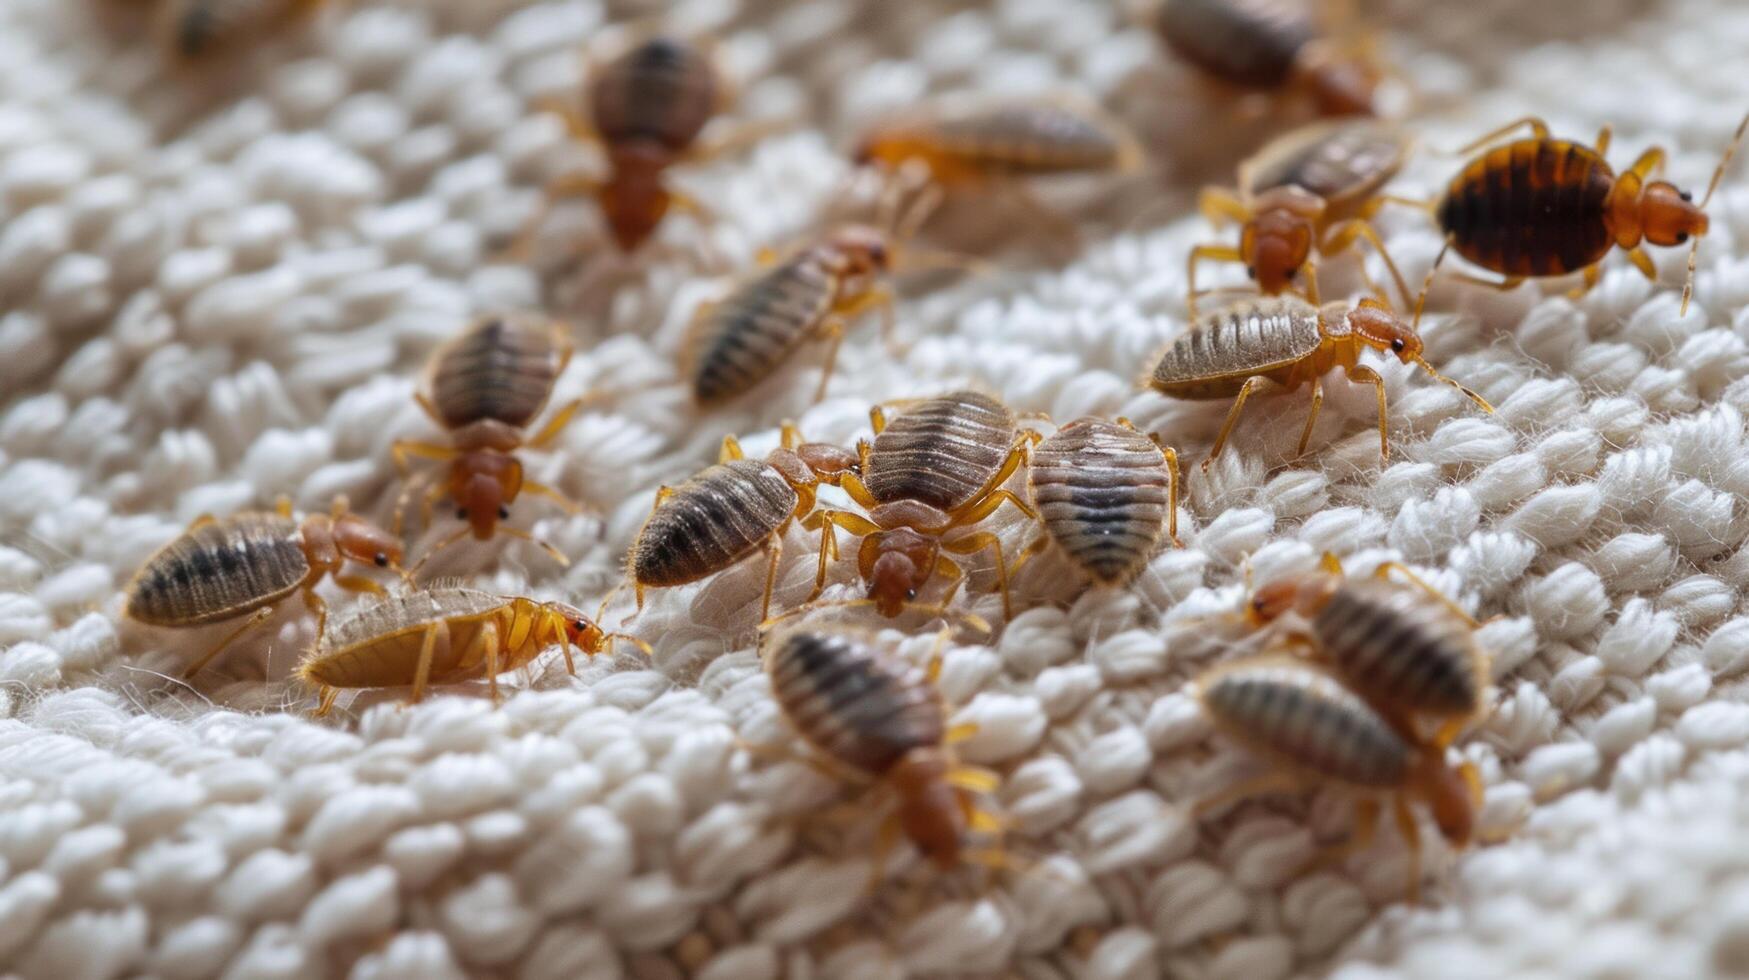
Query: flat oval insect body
x: 1106, y: 494
x: 871, y: 712
x: 937, y: 468
x: 1314, y: 190
x: 225, y: 568
x: 487, y: 386
x: 1548, y: 207
x: 198, y: 28
x: 1293, y: 714
x: 1234, y: 352
x: 1398, y: 648
x: 661, y: 92
x: 737, y: 343
x: 1265, y: 45
x: 444, y: 635
x: 1018, y: 138
x: 941, y: 451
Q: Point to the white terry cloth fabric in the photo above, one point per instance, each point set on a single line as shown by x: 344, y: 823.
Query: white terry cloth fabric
x: 218, y: 289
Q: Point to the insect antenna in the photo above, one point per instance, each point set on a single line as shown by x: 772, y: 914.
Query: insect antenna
x: 1415, y: 327
x: 1713, y: 185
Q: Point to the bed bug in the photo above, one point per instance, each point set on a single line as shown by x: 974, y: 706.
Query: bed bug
x: 997, y: 144
x: 938, y: 468
x: 1234, y: 352
x: 647, y: 107
x: 445, y: 635
x: 726, y: 513
x: 225, y: 568
x: 877, y: 718
x: 1271, y: 45
x: 1104, y: 493
x: 487, y: 386
x: 1398, y: 642
x: 1549, y: 207
x: 1316, y: 188
x: 1314, y: 729
x: 195, y: 29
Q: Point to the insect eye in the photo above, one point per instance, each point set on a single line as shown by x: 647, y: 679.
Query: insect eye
x: 1681, y: 237
x: 503, y: 513
x: 910, y: 593
x: 578, y: 625
x: 1686, y: 195
x: 461, y: 513
x: 382, y: 560
x: 1397, y: 345
x: 1251, y: 271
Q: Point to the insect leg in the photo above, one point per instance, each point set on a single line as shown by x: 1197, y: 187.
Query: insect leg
x: 542, y: 490
x: 1033, y: 548
x: 256, y: 619
x: 557, y: 423
x: 1312, y: 415
x: 1361, y: 374
x: 1538, y: 128
x: 774, y: 545
x: 489, y: 638
x: 1345, y: 234
x: 430, y: 409
x: 1262, y: 784
x: 973, y: 543
x: 1386, y: 568
x: 1205, y: 253
x: 404, y: 448
x: 1366, y: 823
x: 1221, y: 206
x: 325, y: 700
x: 1173, y: 478
x: 827, y: 521
x: 1251, y: 385
x: 427, y: 651
x: 731, y: 450
x: 1412, y: 839
x: 831, y: 328
x: 1637, y: 256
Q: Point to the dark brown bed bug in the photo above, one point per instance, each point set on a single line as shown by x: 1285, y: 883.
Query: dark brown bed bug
x: 876, y: 718
x: 446, y: 635
x: 726, y: 513
x: 938, y: 468
x: 1398, y: 642
x: 647, y: 107
x: 195, y: 29
x: 1314, y: 189
x: 1549, y: 207
x: 1105, y: 494
x: 487, y: 386
x: 1271, y: 45
x: 1234, y: 352
x: 221, y: 569
x: 1314, y: 729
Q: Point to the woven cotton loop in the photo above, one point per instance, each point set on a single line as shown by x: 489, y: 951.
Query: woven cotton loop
x: 219, y: 288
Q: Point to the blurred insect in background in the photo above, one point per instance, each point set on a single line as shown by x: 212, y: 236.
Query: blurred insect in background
x: 1234, y: 352
x: 1315, y: 189
x: 1273, y: 46
x: 938, y: 468
x: 197, y: 29
x: 223, y: 568
x: 446, y: 635
x: 1549, y: 207
x: 486, y: 387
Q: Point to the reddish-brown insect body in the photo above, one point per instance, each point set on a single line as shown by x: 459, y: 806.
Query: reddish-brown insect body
x: 225, y: 568
x: 486, y: 387
x: 813, y: 293
x: 1235, y: 352
x: 444, y: 636
x: 1315, y: 189
x: 1548, y: 207
x: 938, y: 468
x: 1106, y: 494
x: 1315, y: 729
x: 1269, y: 45
x: 870, y: 712
x: 979, y: 142
x: 729, y: 511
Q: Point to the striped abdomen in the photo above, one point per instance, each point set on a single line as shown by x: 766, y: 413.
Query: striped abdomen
x: 1401, y: 649
x: 501, y: 370
x: 941, y: 451
x: 1100, y: 489
x: 711, y: 522
x: 1534, y: 207
x: 854, y: 701
x: 1246, y: 42
x: 747, y: 336
x: 662, y: 91
x: 1341, y: 162
x: 219, y: 571
x: 1215, y: 357
x: 1301, y: 716
x: 379, y: 646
